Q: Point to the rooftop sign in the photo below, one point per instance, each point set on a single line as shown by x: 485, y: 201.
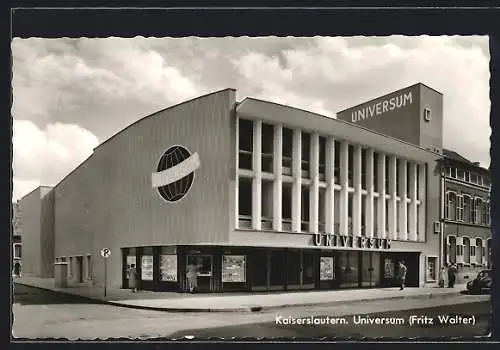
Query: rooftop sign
x: 377, y: 108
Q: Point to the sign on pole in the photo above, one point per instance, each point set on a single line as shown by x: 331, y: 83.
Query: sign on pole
x: 105, y: 253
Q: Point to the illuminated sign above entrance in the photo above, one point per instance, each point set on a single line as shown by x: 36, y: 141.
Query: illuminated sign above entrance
x: 342, y: 241
x: 174, y: 174
x: 381, y: 107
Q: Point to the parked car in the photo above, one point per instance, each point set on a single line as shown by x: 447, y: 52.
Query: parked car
x: 482, y: 283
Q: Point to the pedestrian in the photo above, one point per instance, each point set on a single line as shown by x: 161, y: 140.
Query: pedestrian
x: 17, y: 269
x: 452, y: 275
x: 402, y: 274
x: 192, y: 277
x: 132, y: 278
x: 442, y: 276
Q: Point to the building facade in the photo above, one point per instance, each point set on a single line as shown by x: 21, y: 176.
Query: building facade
x: 466, y: 215
x: 37, y: 223
x: 259, y: 196
x: 17, y: 244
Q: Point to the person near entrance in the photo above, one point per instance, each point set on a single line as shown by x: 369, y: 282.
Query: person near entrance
x: 192, y: 277
x: 17, y: 269
x: 442, y: 276
x: 402, y: 274
x: 132, y: 278
x: 452, y: 275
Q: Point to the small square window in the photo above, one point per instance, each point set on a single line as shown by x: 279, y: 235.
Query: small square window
x: 427, y: 115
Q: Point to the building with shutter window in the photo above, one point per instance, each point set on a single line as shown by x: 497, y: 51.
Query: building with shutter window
x: 17, y: 244
x: 466, y: 215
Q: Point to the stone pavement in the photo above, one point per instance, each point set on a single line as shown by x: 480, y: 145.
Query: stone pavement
x: 180, y: 302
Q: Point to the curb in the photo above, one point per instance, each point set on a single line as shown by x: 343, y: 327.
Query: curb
x: 252, y: 308
x: 99, y: 301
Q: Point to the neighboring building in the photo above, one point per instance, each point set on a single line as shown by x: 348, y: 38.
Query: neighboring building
x: 16, y: 235
x: 260, y: 196
x: 466, y: 215
x: 37, y: 222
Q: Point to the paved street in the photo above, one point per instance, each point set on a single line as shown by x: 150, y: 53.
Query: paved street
x: 433, y: 324
x: 44, y: 314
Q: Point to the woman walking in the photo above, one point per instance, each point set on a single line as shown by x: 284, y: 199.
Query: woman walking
x: 132, y: 278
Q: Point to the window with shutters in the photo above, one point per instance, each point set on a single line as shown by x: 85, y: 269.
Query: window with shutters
x: 466, y: 249
x: 479, y: 251
x: 451, y: 206
x: 486, y: 214
x: 467, y: 176
x: 448, y: 171
x: 474, y: 210
x: 467, y: 213
x: 453, y: 172
x: 460, y: 208
x: 473, y: 178
x: 452, y: 249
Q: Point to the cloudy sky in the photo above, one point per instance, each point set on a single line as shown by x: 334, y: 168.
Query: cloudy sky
x: 72, y: 94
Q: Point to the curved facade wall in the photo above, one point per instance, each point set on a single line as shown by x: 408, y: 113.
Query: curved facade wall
x: 109, y: 201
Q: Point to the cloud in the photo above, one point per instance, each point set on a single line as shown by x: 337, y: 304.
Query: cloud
x: 332, y: 75
x: 44, y: 157
x: 100, y: 85
x: 103, y: 85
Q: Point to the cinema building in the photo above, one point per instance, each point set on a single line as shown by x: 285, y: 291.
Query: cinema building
x: 259, y: 196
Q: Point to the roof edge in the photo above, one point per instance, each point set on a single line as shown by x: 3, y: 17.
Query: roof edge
x: 160, y: 111
x: 348, y: 123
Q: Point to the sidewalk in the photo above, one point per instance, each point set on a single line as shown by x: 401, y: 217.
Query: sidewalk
x: 180, y: 302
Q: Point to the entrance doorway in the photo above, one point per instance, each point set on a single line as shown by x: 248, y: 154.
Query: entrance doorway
x: 294, y: 269
x: 128, y: 259
x: 370, y: 269
x: 308, y: 270
x: 390, y: 269
x: 258, y: 263
x: 204, y: 266
x: 79, y: 268
x: 277, y: 265
x: 348, y: 269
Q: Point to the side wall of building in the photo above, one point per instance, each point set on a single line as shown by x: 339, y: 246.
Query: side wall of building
x: 30, y: 206
x: 75, y: 217
x: 47, y: 241
x: 431, y: 129
x: 109, y: 201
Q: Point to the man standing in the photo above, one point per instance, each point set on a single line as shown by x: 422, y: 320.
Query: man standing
x: 442, y: 276
x: 402, y: 274
x: 452, y: 275
x: 17, y: 269
x: 192, y: 277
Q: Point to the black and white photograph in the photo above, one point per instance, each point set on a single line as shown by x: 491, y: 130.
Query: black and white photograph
x: 251, y: 187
